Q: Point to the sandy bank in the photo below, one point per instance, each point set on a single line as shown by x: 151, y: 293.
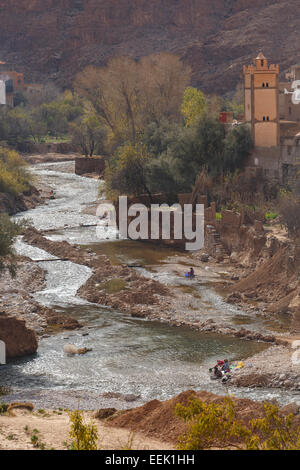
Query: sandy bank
x: 53, y: 432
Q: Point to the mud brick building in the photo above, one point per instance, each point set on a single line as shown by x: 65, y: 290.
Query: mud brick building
x: 274, y: 119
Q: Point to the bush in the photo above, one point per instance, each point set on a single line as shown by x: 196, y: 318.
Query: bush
x: 217, y: 425
x: 85, y: 436
x: 14, y: 178
x: 289, y: 209
x: 8, y: 231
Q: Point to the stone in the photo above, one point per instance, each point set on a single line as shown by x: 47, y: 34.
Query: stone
x: 19, y: 340
x: 204, y: 258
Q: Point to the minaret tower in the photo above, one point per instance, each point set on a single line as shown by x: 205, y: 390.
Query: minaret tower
x: 262, y: 102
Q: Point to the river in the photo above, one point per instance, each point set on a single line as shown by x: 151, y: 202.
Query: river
x: 133, y: 360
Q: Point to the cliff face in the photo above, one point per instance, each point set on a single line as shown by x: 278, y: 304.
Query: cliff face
x: 19, y: 340
x: 54, y: 39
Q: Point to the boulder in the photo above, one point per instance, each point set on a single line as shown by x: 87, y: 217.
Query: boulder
x: 19, y: 340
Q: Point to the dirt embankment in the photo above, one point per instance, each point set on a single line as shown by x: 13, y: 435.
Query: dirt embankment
x: 156, y: 419
x: 267, y: 270
x: 152, y: 426
x: 22, y: 202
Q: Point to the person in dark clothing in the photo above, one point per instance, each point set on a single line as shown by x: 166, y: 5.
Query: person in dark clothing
x: 192, y: 273
x: 217, y: 372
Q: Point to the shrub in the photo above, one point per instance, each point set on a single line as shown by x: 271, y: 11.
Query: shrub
x: 217, y: 425
x: 289, y: 209
x: 8, y: 231
x: 3, y: 408
x: 85, y: 436
x: 14, y: 177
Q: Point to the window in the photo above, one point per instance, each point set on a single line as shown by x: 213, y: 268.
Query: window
x: 262, y: 62
x: 267, y: 85
x: 264, y: 118
x: 263, y: 85
x: 268, y: 119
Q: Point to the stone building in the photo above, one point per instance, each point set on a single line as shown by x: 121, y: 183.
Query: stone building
x: 274, y: 117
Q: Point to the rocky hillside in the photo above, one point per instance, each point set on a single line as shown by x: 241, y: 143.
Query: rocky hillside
x: 53, y: 39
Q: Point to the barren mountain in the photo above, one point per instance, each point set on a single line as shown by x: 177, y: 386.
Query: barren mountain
x: 54, y: 39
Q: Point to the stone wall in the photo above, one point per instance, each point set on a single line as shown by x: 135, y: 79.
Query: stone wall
x: 88, y: 165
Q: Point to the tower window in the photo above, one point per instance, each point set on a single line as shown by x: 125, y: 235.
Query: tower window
x: 262, y: 62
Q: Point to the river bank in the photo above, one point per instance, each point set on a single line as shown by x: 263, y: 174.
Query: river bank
x: 157, y: 291
x: 152, y: 426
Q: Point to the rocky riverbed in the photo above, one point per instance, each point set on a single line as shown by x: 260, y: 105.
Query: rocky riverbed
x: 156, y: 292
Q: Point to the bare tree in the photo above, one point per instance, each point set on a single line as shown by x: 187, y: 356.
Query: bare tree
x: 127, y: 94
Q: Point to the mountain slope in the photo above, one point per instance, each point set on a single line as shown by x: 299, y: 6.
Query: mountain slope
x: 53, y: 39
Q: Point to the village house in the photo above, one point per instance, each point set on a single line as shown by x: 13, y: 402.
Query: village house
x: 12, y: 83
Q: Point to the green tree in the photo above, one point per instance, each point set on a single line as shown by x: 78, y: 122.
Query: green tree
x: 126, y: 172
x: 89, y: 135
x: 238, y: 145
x: 193, y: 106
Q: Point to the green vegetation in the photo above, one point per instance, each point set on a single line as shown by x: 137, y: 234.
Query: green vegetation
x: 217, y: 425
x: 46, y: 119
x: 84, y: 436
x: 114, y: 286
x: 14, y: 178
x: 271, y: 215
x: 193, y: 106
x: 3, y: 408
x: 157, y: 132
x: 8, y: 232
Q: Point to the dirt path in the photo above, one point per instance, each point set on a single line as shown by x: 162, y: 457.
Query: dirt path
x: 53, y: 432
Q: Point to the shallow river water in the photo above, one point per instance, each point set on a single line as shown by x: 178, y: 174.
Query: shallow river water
x: 133, y: 360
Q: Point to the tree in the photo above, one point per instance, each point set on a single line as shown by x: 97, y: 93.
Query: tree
x: 89, y: 135
x: 193, y: 106
x: 238, y: 145
x: 127, y: 95
x: 126, y: 172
